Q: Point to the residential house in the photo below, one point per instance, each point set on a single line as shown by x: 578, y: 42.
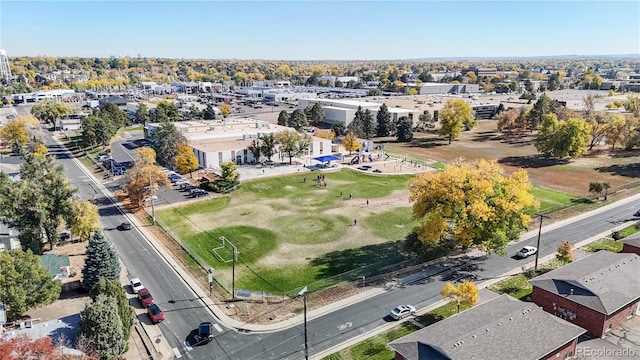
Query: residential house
x: 631, y: 244
x: 598, y: 293
x: 501, y: 328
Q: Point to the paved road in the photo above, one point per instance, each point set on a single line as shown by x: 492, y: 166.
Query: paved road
x: 184, y: 311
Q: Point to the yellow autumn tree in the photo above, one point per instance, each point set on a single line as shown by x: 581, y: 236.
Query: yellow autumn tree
x: 465, y: 293
x: 325, y: 134
x: 85, y: 219
x: 455, y: 116
x: 186, y: 160
x: 350, y: 142
x: 471, y: 203
x: 145, y: 177
x: 41, y: 149
x: 225, y: 110
x: 15, y: 131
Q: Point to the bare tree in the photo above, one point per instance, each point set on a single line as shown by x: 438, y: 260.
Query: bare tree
x: 589, y: 104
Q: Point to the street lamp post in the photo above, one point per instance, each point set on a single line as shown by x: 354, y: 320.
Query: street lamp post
x: 303, y: 293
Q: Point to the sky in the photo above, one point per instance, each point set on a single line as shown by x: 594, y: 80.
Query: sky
x: 319, y: 30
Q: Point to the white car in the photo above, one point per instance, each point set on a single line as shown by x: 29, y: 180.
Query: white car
x: 526, y: 252
x: 402, y: 311
x: 136, y: 285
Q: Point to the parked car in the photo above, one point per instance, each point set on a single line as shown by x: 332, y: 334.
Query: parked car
x: 637, y: 214
x: 125, y: 226
x: 145, y: 297
x: 155, y: 314
x: 181, y: 182
x: 402, y: 311
x: 198, y: 192
x: 136, y: 285
x: 527, y: 251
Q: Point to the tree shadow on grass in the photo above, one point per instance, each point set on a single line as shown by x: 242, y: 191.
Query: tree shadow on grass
x: 338, y: 262
x: 628, y: 170
x: 485, y: 136
x: 428, y: 142
x: 532, y: 162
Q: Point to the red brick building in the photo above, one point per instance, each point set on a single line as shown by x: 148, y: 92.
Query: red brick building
x: 597, y: 293
x: 501, y: 328
x: 631, y: 244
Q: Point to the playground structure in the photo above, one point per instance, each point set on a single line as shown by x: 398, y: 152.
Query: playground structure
x: 381, y: 162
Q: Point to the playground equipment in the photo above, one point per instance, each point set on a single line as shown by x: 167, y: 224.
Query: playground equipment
x: 355, y: 160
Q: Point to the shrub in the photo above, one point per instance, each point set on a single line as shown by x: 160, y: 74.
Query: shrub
x: 219, y: 186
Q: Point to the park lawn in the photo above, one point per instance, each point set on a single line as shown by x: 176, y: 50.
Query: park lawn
x: 291, y: 233
x: 605, y: 244
x: 551, y: 200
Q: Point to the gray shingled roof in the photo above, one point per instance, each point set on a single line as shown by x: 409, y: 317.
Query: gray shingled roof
x: 604, y: 281
x: 633, y: 240
x: 502, y: 328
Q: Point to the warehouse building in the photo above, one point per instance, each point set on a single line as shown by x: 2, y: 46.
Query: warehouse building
x: 345, y: 110
x: 438, y: 88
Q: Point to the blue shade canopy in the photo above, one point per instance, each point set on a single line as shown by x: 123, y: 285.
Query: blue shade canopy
x: 326, y: 158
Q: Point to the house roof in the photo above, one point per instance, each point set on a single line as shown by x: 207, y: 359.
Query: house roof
x: 502, y: 328
x: 604, y: 281
x: 53, y: 263
x: 118, y: 100
x: 633, y: 240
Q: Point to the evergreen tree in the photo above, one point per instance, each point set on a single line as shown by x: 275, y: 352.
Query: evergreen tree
x: 339, y: 128
x: 405, y: 129
x: 101, y: 263
x: 114, y: 289
x: 425, y: 121
x: 209, y: 113
x: 268, y: 148
x: 142, y: 114
x: 101, y: 328
x: 317, y: 113
x: 283, y: 118
x: 298, y: 120
x: 357, y: 124
x: 384, y: 121
x: 367, y: 124
x: 540, y: 110
x: 165, y: 140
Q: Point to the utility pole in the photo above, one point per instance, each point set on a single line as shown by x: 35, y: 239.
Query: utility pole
x: 539, y: 234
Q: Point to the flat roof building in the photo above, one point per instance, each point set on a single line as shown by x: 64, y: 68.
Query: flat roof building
x: 344, y: 110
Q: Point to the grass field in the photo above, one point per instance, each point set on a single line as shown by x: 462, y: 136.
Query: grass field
x: 290, y: 233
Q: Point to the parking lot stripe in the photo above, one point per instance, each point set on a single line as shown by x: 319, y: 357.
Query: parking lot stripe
x: 217, y: 327
x: 177, y: 354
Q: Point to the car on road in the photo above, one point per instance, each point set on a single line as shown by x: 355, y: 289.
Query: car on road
x: 637, y: 214
x: 526, y: 251
x: 136, y: 285
x: 155, y: 314
x: 402, y: 311
x: 145, y: 297
x: 125, y: 226
x: 205, y: 333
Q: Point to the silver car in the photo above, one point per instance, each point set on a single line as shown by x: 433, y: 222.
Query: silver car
x: 402, y: 311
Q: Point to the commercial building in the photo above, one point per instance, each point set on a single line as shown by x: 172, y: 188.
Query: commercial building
x: 501, y: 328
x: 217, y: 141
x: 443, y: 88
x: 597, y: 293
x: 481, y: 71
x: 345, y: 110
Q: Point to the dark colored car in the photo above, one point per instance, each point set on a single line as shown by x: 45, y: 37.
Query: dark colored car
x: 205, y: 333
x: 637, y: 214
x: 125, y: 226
x: 155, y: 314
x: 145, y: 297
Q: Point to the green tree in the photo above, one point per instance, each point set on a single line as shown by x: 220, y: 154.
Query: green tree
x: 455, y: 115
x: 632, y: 105
x: 293, y: 143
x: 85, y: 219
x: 283, y: 118
x: 405, y: 129
x: 101, y: 262
x: 540, y: 110
x: 229, y: 171
x: 563, y: 138
x: 317, y: 113
x: 158, y: 115
x: 268, y: 147
x: 101, y: 328
x: 425, y: 121
x: 338, y: 128
x: 383, y: 118
x: 164, y: 140
x: 255, y: 148
x: 89, y: 131
x: 169, y: 109
x: 209, y: 112
x: 357, y: 125
x: 25, y: 283
x: 142, y: 114
x: 367, y: 124
x: 186, y: 160
x: 471, y: 203
x: 49, y: 111
x: 115, y: 290
x: 298, y: 120
x: 112, y: 113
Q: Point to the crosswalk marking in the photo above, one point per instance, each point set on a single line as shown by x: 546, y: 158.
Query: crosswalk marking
x: 217, y: 327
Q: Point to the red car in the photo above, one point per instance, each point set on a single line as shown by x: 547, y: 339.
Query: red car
x: 155, y: 314
x: 145, y: 297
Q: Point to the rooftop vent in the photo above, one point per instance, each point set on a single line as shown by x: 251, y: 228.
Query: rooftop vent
x: 571, y: 292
